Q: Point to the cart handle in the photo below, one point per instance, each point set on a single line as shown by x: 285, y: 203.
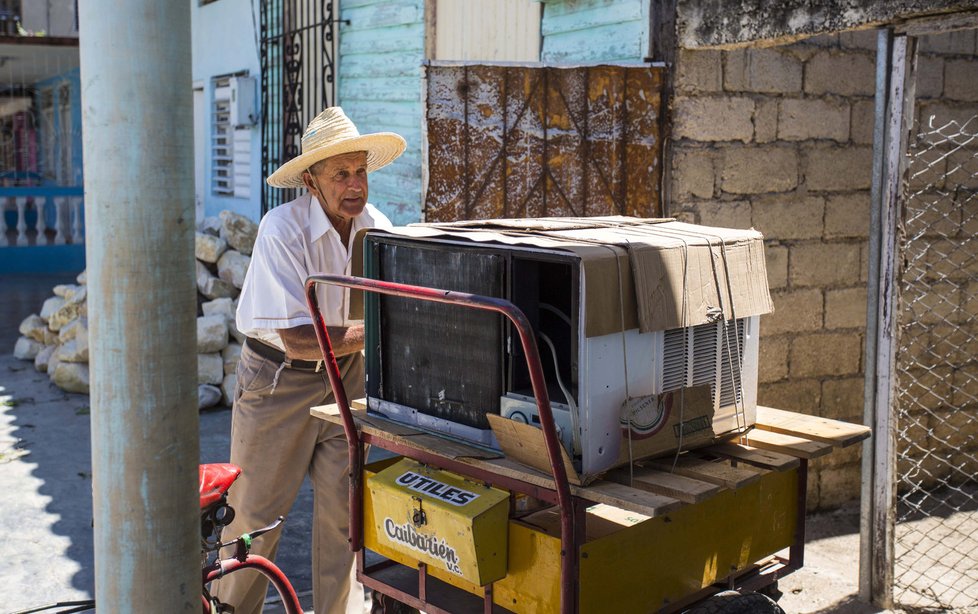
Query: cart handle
x: 475, y: 301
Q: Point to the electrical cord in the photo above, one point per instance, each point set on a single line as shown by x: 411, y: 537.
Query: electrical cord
x: 575, y: 435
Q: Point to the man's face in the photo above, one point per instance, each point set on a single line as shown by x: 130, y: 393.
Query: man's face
x: 340, y: 185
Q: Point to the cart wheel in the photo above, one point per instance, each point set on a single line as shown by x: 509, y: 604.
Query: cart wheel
x: 732, y: 602
x: 383, y: 604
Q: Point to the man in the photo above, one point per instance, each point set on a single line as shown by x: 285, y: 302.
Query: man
x: 280, y: 376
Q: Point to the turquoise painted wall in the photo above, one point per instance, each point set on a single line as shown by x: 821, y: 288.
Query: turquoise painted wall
x: 379, y: 87
x: 592, y: 31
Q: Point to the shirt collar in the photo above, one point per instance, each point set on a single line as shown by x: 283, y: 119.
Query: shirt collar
x: 319, y: 224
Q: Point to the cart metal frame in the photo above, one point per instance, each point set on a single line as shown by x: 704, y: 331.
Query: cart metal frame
x: 572, y: 508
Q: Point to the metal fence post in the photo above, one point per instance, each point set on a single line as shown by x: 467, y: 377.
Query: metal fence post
x: 139, y: 205
x: 895, y: 78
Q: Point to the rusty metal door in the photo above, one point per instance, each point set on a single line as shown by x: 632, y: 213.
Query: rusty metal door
x: 517, y: 141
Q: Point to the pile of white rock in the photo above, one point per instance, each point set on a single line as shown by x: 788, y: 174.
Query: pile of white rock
x: 56, y: 339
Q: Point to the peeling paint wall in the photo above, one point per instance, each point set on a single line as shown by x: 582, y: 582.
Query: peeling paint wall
x: 726, y: 23
x: 379, y: 88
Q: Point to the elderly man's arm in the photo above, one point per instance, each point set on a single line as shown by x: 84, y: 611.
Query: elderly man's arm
x: 300, y: 342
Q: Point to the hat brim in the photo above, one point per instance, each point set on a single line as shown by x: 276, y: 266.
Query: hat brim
x: 382, y: 148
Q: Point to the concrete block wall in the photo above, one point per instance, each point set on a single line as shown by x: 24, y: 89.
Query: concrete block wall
x: 780, y: 139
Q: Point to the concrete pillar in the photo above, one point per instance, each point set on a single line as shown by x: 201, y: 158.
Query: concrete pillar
x: 137, y: 125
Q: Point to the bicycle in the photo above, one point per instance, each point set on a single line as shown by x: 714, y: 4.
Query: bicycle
x: 215, y: 514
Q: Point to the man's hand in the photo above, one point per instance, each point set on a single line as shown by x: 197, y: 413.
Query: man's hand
x: 301, y: 344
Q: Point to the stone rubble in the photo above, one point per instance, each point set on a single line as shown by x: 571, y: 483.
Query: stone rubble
x: 56, y: 339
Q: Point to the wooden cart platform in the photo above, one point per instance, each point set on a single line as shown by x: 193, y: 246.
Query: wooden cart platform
x: 686, y: 503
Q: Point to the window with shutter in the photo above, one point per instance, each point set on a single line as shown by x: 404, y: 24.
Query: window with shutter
x: 230, y: 146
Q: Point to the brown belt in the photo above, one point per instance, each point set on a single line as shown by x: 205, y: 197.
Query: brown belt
x: 276, y: 355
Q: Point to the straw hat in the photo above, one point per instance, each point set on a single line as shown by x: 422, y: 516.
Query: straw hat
x: 329, y: 134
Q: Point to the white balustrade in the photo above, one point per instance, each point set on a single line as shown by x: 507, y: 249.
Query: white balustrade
x: 77, y: 228
x: 40, y: 203
x: 4, y: 205
x: 61, y: 214
x: 21, y: 220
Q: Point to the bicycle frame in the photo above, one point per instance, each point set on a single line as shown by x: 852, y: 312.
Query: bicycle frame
x: 523, y: 328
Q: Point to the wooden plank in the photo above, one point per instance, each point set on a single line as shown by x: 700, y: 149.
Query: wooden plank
x: 627, y: 498
x: 719, y: 472
x: 687, y: 490
x: 630, y: 499
x: 825, y: 430
x: 526, y: 444
x: 764, y: 459
x: 786, y: 444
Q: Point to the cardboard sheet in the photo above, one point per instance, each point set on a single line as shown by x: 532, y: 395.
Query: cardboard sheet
x: 661, y: 273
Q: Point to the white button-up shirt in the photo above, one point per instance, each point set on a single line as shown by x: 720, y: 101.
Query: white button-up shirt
x: 296, y: 240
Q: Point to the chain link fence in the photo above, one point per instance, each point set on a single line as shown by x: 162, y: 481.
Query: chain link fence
x: 936, y: 549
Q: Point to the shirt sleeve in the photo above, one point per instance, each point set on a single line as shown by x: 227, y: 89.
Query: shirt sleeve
x: 274, y: 294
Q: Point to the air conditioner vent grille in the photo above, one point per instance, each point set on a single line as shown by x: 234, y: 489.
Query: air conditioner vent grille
x: 691, y: 358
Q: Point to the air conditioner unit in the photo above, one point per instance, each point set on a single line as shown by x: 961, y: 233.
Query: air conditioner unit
x: 623, y: 383
x: 242, y: 97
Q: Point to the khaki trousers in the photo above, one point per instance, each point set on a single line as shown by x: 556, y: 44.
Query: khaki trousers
x: 275, y: 442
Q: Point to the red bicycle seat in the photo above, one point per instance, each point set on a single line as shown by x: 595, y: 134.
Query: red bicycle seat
x: 215, y: 479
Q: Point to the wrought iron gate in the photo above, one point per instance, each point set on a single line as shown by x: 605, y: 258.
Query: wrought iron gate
x: 298, y: 61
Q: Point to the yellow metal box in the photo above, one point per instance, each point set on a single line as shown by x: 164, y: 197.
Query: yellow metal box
x: 438, y: 518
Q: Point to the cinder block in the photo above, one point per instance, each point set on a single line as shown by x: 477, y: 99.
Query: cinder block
x: 848, y: 458
x: 847, y: 215
x: 965, y: 384
x: 692, y: 173
x: 932, y: 302
x: 713, y: 119
x: 955, y: 434
x: 927, y: 388
x: 766, y: 120
x: 825, y: 354
x: 772, y: 359
x: 801, y: 395
x: 941, y: 217
x: 939, y: 121
x: 800, y: 119
x: 776, y: 257
x: 961, y: 80
x: 824, y: 264
x: 969, y: 214
x: 838, y: 486
x: 789, y: 217
x: 930, y: 76
x: 845, y: 308
x: 928, y: 168
x: 850, y: 73
x: 842, y: 399
x: 762, y: 70
x: 961, y: 42
x: 933, y: 259
x: 795, y: 311
x: 962, y: 167
x: 725, y: 214
x: 865, y: 40
x: 863, y: 122
x: 757, y: 170
x: 699, y: 72
x: 838, y: 168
